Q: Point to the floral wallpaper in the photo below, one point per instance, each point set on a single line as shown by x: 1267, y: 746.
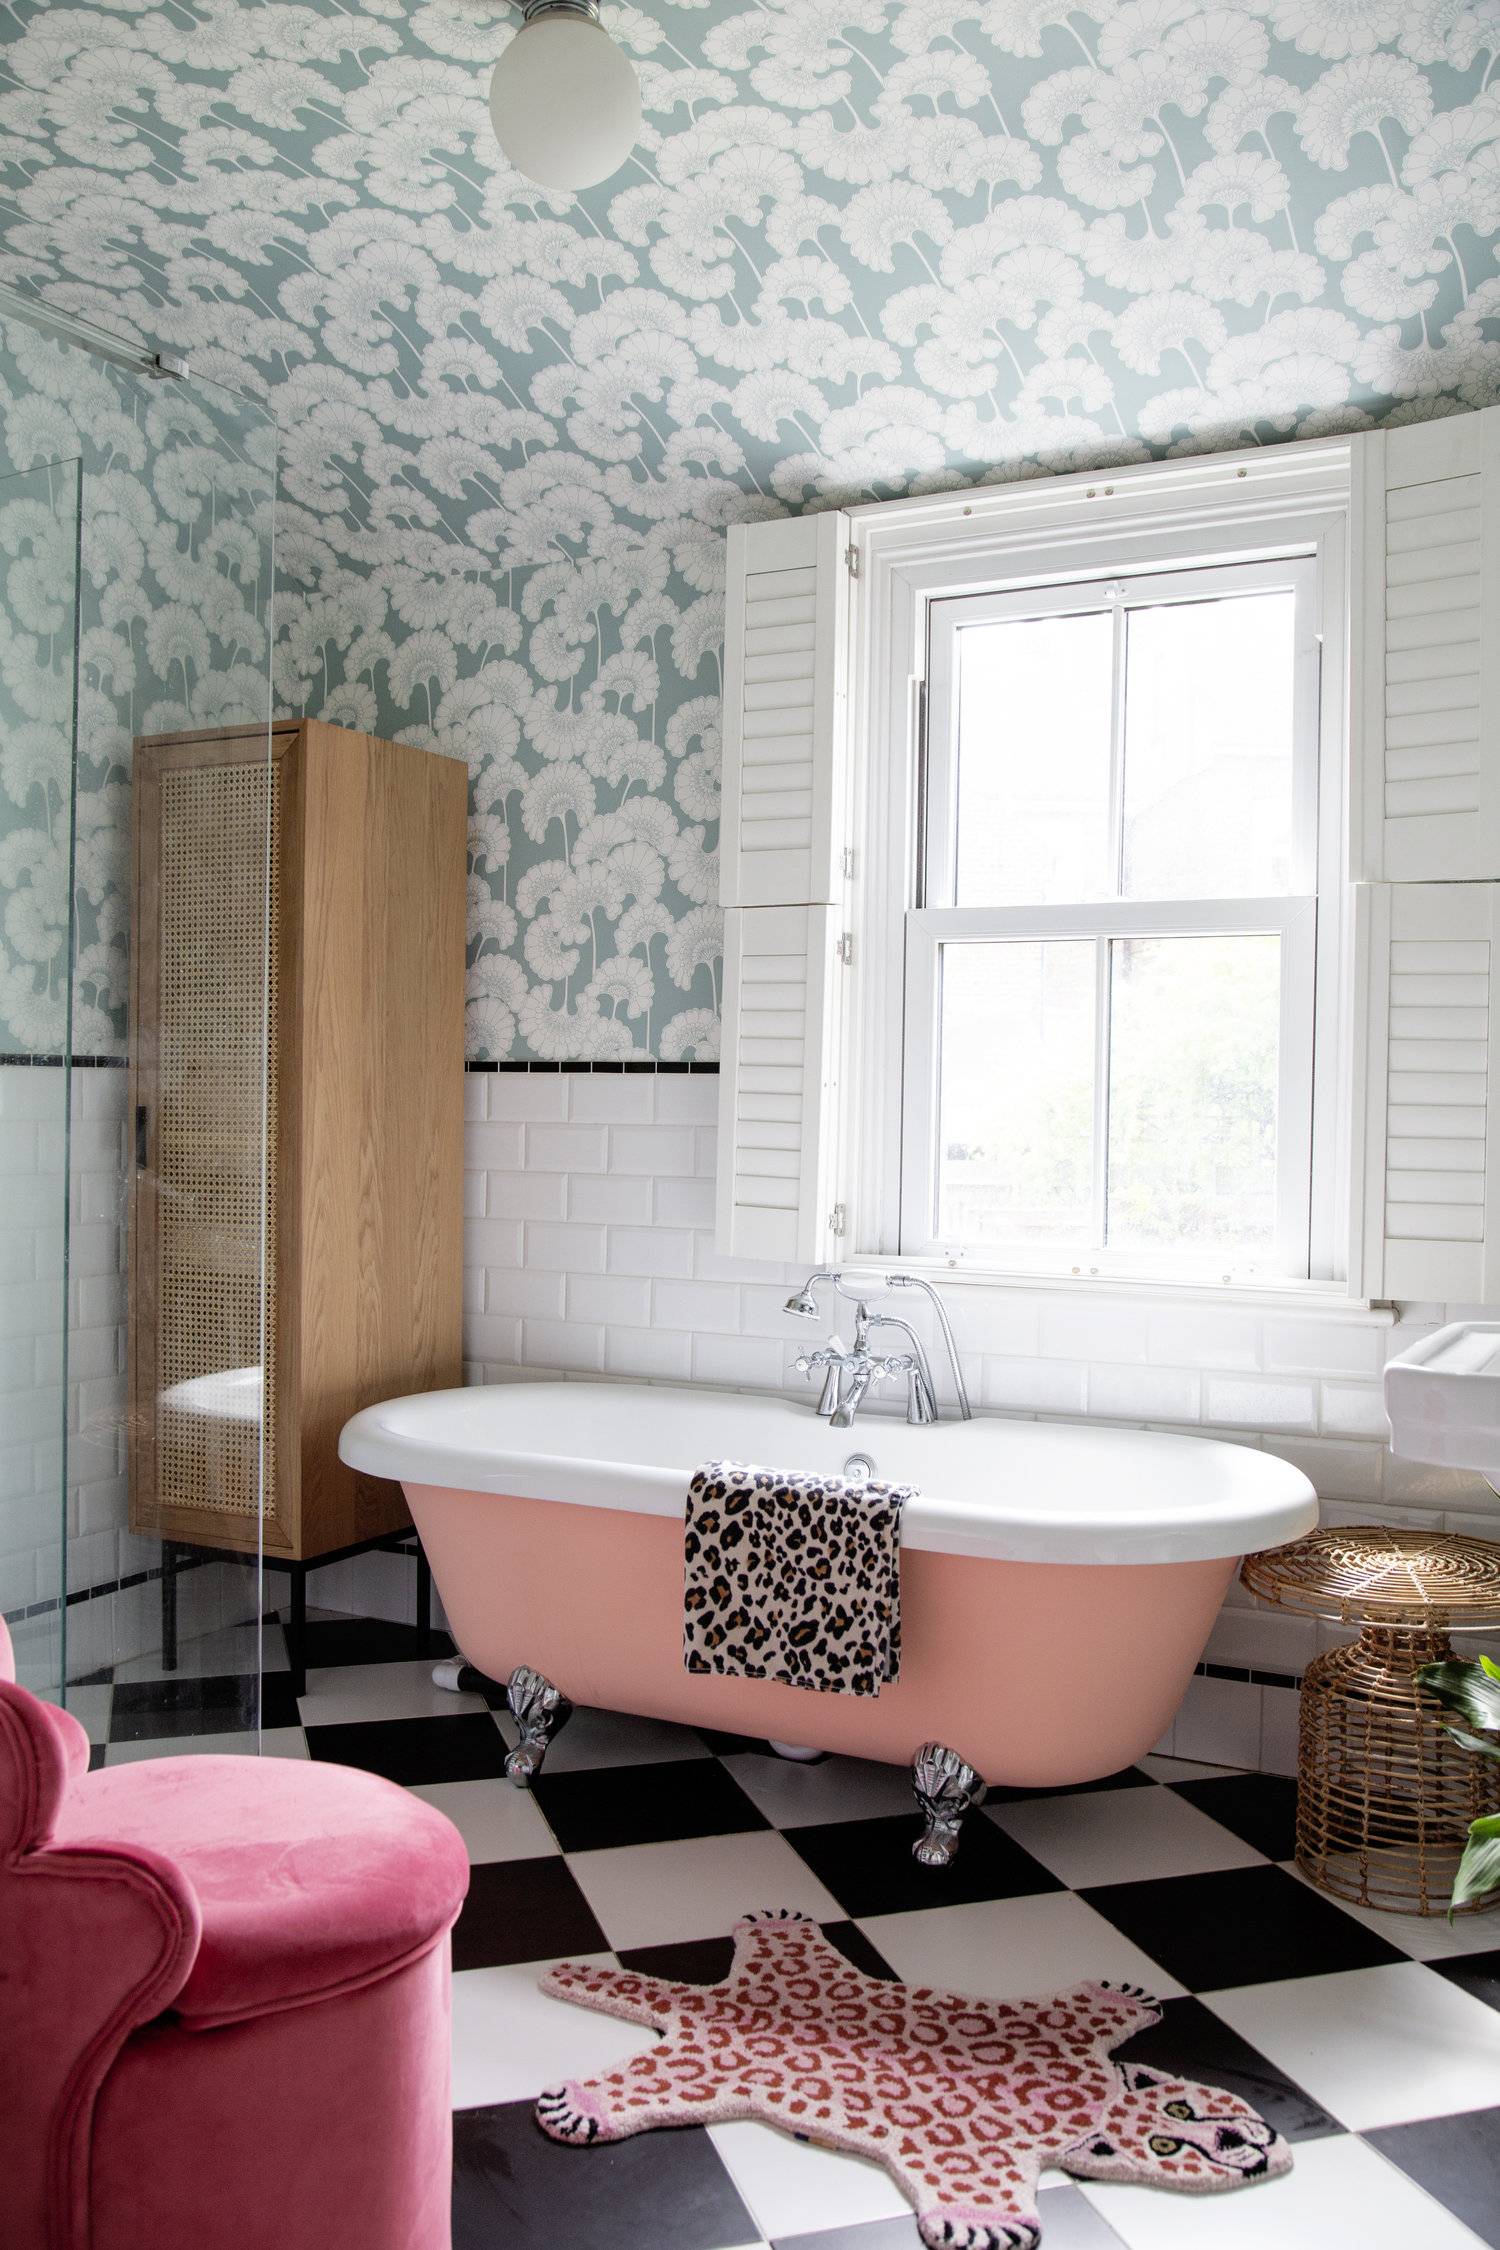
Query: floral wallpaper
x: 864, y: 247
x: 135, y: 541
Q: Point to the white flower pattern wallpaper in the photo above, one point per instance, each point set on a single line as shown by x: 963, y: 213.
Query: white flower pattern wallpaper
x: 864, y: 247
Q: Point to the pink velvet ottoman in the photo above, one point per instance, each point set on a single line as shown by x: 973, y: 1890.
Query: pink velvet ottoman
x: 224, y: 2000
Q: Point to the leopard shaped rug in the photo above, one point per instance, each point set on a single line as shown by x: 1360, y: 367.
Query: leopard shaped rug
x: 963, y: 2101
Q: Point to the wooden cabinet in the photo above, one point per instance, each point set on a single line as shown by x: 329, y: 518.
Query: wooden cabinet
x: 307, y: 913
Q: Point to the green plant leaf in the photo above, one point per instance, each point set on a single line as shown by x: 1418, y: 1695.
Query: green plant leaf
x: 1479, y: 1869
x: 1487, y: 1746
x: 1470, y: 1692
x: 1491, y: 1667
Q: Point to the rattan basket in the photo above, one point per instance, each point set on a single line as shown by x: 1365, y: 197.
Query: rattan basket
x: 1385, y: 1794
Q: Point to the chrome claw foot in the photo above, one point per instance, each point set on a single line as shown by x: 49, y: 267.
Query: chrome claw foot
x: 539, y: 1710
x: 946, y: 1788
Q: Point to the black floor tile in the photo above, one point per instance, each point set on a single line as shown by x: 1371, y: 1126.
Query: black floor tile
x: 1242, y: 1925
x: 695, y: 1961
x: 1195, y: 2043
x: 1129, y: 1777
x: 661, y: 1803
x: 1457, y: 2160
x: 868, y: 1865
x: 148, y: 1710
x: 99, y: 1678
x: 523, y: 1910
x: 708, y: 1960
x: 731, y: 1745
x: 513, y: 2186
x: 1478, y: 1973
x: 1259, y: 1808
x: 367, y: 1640
x: 467, y: 1747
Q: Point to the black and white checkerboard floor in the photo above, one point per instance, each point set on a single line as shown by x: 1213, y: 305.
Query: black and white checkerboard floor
x: 1372, y: 2040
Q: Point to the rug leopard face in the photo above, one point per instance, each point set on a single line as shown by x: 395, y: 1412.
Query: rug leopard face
x: 963, y: 2101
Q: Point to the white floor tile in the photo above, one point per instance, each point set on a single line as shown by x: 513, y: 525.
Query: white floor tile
x: 90, y: 1706
x: 613, y: 1738
x: 1122, y: 1836
x: 1339, y: 2195
x: 495, y: 1820
x: 790, y: 2188
x: 510, y: 2040
x: 1375, y: 2046
x: 274, y: 1742
x: 346, y: 1694
x: 1013, y: 1948
x: 1426, y: 1937
x: 655, y: 1894
x: 795, y: 1796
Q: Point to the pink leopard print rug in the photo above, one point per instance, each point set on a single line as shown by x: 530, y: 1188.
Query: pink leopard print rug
x: 963, y: 2101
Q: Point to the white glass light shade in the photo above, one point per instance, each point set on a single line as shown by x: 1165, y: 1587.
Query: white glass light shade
x: 565, y: 102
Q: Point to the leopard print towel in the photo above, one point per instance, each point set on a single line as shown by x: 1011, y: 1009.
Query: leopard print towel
x: 796, y: 1579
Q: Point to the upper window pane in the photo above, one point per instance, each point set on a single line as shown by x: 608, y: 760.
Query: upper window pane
x: 1033, y: 810
x: 1208, y: 799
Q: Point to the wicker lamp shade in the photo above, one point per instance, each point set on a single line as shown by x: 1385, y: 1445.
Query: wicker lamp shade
x: 1385, y: 1794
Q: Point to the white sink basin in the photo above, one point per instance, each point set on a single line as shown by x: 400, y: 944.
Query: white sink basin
x: 1443, y: 1398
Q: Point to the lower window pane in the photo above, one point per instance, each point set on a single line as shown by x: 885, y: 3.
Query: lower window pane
x: 1016, y: 1096
x: 1194, y: 1031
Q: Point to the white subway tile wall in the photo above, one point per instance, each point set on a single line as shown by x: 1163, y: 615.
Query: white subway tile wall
x: 34, y: 1409
x: 613, y: 1271
x: 589, y: 1251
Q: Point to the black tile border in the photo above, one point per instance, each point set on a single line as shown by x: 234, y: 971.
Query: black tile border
x: 644, y: 1067
x: 1248, y: 1675
x: 62, y: 1062
x: 620, y: 1067
x: 77, y: 1594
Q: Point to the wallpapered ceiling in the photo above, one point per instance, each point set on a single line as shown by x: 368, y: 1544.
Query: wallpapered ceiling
x: 864, y: 247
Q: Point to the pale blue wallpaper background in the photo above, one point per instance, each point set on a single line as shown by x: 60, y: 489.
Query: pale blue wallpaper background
x: 864, y: 247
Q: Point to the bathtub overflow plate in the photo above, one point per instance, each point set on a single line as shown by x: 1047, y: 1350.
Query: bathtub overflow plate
x: 859, y: 1465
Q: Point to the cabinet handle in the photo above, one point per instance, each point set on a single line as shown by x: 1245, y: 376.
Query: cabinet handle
x: 140, y: 1137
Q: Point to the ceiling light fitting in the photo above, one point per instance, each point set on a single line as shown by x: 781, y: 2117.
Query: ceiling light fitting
x: 565, y: 101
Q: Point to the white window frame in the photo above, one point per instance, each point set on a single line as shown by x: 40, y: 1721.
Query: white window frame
x: 1291, y: 917
x: 1158, y: 518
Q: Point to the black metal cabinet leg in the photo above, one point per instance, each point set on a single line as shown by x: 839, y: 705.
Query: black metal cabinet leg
x: 169, y: 1605
x: 296, y: 1631
x: 424, y: 1602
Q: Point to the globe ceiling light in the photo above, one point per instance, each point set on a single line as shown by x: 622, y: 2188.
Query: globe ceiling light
x: 565, y: 102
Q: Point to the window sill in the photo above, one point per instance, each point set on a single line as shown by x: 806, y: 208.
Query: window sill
x: 1324, y: 1300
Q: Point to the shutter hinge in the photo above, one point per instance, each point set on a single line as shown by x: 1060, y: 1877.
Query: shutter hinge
x: 848, y: 863
x: 851, y: 559
x: 846, y: 948
x: 836, y: 1219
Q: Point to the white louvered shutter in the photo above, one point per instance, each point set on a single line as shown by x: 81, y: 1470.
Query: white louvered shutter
x: 786, y: 780
x: 1425, y: 1129
x: 1426, y: 651
x: 786, y: 660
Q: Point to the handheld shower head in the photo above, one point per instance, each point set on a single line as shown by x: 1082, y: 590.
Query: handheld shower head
x: 803, y: 1304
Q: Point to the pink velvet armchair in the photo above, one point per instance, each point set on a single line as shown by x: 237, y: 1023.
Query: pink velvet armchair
x: 224, y: 2000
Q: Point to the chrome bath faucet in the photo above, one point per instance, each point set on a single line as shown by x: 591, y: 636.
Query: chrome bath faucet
x: 849, y: 1375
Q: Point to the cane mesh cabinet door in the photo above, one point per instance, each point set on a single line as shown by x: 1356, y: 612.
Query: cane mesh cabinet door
x: 296, y: 1063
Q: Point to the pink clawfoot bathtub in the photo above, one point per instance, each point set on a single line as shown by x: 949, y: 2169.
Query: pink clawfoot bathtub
x: 1058, y: 1582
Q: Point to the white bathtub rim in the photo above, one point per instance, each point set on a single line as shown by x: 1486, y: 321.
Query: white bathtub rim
x: 1262, y: 1501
